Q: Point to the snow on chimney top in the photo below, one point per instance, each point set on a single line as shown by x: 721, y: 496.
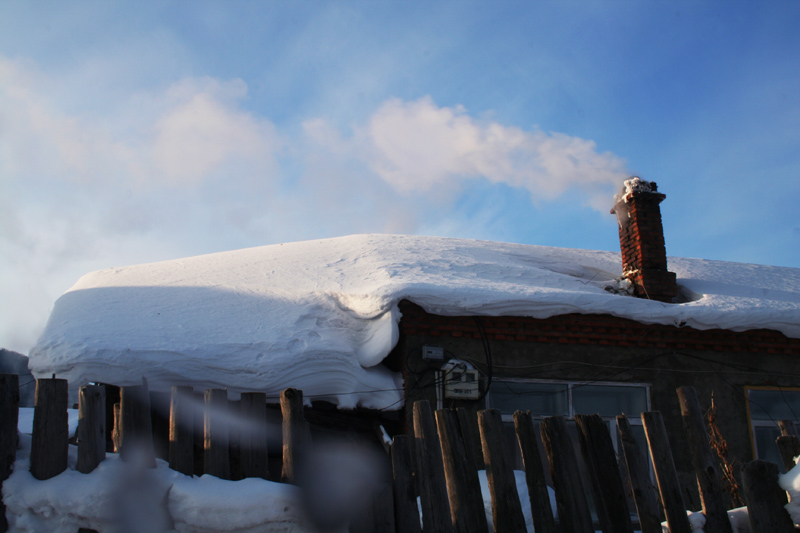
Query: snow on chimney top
x: 641, y: 237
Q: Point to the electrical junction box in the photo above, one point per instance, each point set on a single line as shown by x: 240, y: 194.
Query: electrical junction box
x: 433, y: 353
x: 462, y: 384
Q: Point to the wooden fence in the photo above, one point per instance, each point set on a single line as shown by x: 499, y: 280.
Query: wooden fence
x: 439, y: 464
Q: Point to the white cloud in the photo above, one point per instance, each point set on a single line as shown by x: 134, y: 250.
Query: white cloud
x: 418, y: 146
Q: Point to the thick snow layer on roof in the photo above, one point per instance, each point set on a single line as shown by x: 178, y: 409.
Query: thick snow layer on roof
x: 322, y: 315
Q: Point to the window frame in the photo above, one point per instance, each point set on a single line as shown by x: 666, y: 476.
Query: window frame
x: 759, y: 422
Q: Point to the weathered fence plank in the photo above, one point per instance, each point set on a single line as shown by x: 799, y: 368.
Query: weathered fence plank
x: 644, y: 493
x: 136, y: 434
x: 573, y: 509
x: 216, y: 458
x: 789, y: 448
x: 610, y: 501
x: 430, y: 471
x: 506, y: 509
x: 705, y: 465
x: 50, y: 439
x: 538, y: 493
x: 405, y: 496
x: 468, y: 425
x: 181, y: 430
x: 667, y: 478
x: 383, y: 510
x: 9, y: 419
x: 765, y: 498
x: 91, y: 427
x: 296, y: 436
x: 253, y: 436
x: 463, y: 484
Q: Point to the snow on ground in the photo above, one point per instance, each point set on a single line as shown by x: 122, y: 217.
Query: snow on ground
x: 321, y: 315
x: 117, y: 496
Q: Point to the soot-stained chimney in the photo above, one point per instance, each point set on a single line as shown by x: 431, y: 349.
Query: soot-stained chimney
x: 641, y: 240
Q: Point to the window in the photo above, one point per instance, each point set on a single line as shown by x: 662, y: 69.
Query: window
x: 765, y: 407
x: 549, y: 398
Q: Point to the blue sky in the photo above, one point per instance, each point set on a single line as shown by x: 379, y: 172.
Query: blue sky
x: 143, y: 131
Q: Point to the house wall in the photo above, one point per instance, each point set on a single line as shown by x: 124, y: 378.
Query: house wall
x: 605, y: 348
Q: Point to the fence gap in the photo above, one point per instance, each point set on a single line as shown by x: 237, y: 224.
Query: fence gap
x: 506, y: 508
x: 644, y: 493
x: 91, y: 427
x: 610, y: 501
x: 463, y: 484
x: 573, y: 509
x: 538, y: 492
x: 50, y: 439
x: 112, y: 397
x: 159, y: 417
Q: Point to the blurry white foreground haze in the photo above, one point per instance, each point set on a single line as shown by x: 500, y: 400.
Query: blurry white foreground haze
x: 322, y: 315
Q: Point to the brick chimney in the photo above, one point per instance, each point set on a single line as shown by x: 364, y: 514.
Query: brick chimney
x: 641, y: 240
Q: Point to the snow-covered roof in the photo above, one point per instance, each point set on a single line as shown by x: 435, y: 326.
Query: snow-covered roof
x: 321, y: 315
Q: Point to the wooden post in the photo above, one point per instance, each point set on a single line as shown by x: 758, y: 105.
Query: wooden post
x: 216, y: 460
x: 406, y: 512
x: 430, y: 471
x: 253, y: 437
x: 463, y: 484
x: 50, y: 439
x: 789, y: 448
x: 506, y: 508
x: 538, y: 494
x: 667, y: 478
x: 644, y: 493
x: 91, y: 427
x: 468, y: 424
x: 573, y: 509
x: 705, y: 465
x: 181, y: 430
x: 116, y: 433
x: 610, y: 501
x: 787, y: 428
x: 136, y: 435
x: 765, y: 498
x: 295, y: 433
x: 9, y: 419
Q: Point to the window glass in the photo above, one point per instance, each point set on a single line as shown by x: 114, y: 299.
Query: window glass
x: 774, y: 405
x: 609, y: 400
x: 541, y: 399
x: 765, y: 444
